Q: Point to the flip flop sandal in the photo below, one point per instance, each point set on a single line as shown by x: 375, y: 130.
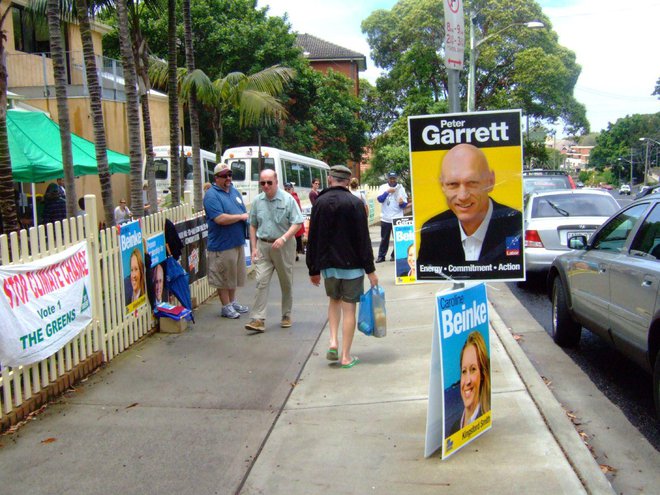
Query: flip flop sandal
x: 351, y: 364
x: 332, y: 355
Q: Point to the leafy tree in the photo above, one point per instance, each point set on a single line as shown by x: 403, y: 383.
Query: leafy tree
x: 516, y: 67
x: 656, y: 91
x: 619, y: 139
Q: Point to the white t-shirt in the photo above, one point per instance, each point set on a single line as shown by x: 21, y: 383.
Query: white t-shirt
x: 390, y: 208
x: 361, y: 195
x: 122, y: 216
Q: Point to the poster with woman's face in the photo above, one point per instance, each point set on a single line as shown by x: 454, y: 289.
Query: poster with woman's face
x: 465, y: 350
x: 133, y: 270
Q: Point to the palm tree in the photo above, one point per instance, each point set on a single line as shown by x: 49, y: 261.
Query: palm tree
x: 96, y: 106
x: 192, y: 107
x: 59, y: 74
x: 132, y: 108
x: 141, y: 54
x: 253, y: 96
x: 83, y: 10
x: 173, y: 100
x: 7, y: 203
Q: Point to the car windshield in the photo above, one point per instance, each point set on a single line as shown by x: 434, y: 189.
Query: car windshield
x: 567, y: 205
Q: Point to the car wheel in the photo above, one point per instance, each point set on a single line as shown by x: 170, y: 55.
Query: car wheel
x: 565, y: 331
x: 656, y: 384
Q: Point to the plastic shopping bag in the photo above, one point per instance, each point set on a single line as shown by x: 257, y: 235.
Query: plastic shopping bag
x: 366, y: 314
x: 378, y: 308
x: 371, y: 316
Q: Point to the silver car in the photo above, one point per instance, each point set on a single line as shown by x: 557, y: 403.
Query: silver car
x: 552, y: 218
x: 611, y: 286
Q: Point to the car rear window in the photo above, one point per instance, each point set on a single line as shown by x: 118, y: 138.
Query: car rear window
x: 545, y: 183
x: 571, y: 205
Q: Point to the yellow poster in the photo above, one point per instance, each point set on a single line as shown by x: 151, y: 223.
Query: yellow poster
x: 467, y: 196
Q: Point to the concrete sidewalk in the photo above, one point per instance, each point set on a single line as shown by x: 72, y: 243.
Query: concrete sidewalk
x: 219, y: 410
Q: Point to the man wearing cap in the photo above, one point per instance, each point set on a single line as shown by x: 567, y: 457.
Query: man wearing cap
x: 339, y: 248
x: 274, y: 220
x: 393, y: 198
x: 226, y: 217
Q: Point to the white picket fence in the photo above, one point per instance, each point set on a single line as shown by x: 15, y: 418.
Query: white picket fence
x: 111, y: 330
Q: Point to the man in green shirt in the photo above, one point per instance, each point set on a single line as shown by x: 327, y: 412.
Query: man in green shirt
x: 274, y: 220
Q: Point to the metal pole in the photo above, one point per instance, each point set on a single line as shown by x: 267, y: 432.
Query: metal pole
x: 631, y: 167
x: 454, y: 100
x: 471, y: 72
x: 646, y: 163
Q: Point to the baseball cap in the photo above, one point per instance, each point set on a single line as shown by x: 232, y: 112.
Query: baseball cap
x: 288, y: 185
x: 392, y: 175
x: 221, y: 168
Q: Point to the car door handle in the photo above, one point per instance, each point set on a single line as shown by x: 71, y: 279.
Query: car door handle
x: 647, y: 283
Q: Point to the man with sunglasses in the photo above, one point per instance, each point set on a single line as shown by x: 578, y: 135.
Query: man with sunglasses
x: 226, y: 217
x: 274, y: 220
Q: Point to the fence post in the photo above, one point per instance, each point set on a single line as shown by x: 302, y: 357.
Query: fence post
x: 93, y: 251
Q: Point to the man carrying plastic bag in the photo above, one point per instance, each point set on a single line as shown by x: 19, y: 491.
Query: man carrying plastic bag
x: 339, y: 248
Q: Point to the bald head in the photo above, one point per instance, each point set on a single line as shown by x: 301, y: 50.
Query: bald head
x: 466, y: 180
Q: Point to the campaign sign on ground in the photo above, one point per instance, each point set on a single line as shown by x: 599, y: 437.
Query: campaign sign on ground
x: 460, y: 379
x: 467, y: 196
x: 193, y: 233
x: 132, y: 263
x: 404, y: 250
x: 44, y: 305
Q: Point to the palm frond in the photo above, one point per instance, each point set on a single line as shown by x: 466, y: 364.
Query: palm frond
x: 257, y: 107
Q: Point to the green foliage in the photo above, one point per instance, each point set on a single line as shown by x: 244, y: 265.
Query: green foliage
x: 516, y: 67
x: 620, y: 138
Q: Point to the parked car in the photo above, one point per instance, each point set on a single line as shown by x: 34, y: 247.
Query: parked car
x: 544, y: 180
x: 606, y: 186
x: 579, y: 184
x: 611, y: 285
x: 624, y: 189
x: 646, y: 190
x: 552, y: 218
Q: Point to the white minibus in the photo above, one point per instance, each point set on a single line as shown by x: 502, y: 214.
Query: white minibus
x: 164, y: 172
x: 290, y: 167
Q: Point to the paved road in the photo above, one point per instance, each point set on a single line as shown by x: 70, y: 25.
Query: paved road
x: 632, y: 462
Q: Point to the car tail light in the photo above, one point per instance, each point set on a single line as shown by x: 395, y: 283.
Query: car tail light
x: 532, y: 239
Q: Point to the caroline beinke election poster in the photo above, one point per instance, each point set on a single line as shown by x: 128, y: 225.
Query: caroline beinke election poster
x: 467, y: 196
x: 404, y: 251
x: 460, y: 394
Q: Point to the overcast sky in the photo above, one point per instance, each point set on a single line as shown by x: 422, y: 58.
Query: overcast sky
x: 616, y: 42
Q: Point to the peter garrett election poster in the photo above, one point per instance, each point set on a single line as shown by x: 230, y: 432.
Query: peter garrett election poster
x: 459, y: 408
x: 467, y: 196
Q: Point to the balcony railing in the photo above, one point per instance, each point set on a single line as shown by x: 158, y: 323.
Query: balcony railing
x: 31, y: 75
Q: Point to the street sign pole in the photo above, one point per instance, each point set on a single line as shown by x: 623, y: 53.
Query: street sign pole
x: 454, y: 50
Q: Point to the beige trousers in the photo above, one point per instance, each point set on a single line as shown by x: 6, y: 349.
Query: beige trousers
x: 278, y: 260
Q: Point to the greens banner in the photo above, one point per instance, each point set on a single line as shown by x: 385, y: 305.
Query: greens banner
x: 44, y: 303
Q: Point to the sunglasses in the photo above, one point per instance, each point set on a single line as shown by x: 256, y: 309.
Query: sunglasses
x: 225, y: 175
x: 264, y: 182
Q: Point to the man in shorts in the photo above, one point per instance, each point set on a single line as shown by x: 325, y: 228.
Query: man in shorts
x: 339, y: 248
x: 227, y: 218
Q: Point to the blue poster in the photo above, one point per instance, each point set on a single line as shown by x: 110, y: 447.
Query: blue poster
x: 133, y: 271
x: 460, y: 384
x: 404, y: 251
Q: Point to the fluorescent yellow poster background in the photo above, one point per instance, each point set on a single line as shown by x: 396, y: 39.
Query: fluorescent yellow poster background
x: 428, y: 198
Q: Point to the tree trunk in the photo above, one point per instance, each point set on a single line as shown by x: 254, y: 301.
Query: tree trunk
x: 132, y: 109
x: 192, y: 109
x: 175, y: 168
x: 7, y: 197
x: 96, y: 106
x: 59, y: 74
x: 144, y: 85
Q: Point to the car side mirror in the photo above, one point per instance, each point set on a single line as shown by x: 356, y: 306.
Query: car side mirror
x: 577, y: 242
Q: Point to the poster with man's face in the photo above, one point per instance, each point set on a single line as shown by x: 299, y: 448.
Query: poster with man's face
x: 466, y: 174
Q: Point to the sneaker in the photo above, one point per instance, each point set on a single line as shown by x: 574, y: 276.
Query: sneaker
x: 256, y: 325
x: 240, y: 308
x: 228, y: 311
x: 380, y: 260
x: 286, y: 322
x: 392, y: 258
